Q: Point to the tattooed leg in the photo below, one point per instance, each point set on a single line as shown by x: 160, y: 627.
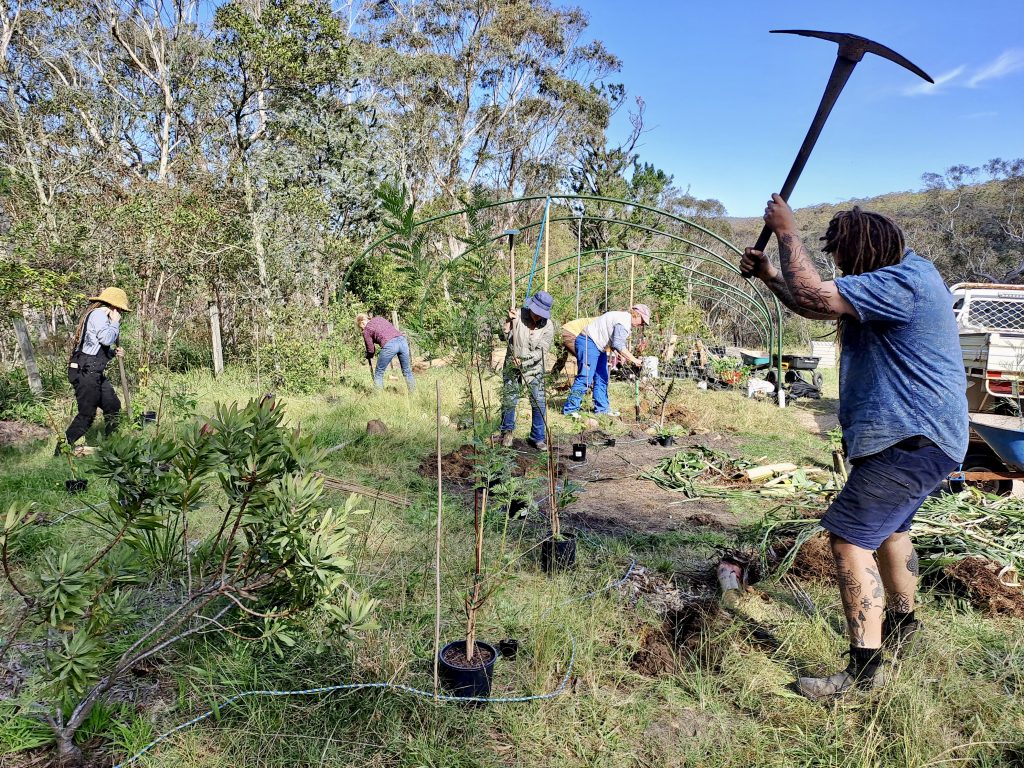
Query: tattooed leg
x: 897, y: 563
x: 862, y: 592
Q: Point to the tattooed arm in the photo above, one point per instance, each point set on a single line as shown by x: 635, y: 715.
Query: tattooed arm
x: 757, y: 264
x: 807, y: 290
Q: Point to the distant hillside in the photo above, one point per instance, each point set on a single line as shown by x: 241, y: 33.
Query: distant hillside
x: 971, y: 232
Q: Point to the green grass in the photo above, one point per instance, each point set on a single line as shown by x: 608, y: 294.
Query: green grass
x: 954, y: 703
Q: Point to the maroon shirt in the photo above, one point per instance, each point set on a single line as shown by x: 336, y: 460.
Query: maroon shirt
x: 378, y: 331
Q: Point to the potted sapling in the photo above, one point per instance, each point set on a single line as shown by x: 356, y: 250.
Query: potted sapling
x: 666, y: 435
x: 76, y: 484
x: 579, y: 448
x: 466, y: 666
x: 558, y: 551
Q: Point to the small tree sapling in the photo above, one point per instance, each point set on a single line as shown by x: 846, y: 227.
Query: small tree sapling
x: 273, y: 557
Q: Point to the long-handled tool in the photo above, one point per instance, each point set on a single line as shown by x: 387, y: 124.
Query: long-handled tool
x: 851, y: 50
x: 124, y: 385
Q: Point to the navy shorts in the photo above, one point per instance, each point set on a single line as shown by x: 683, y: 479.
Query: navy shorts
x: 885, y: 490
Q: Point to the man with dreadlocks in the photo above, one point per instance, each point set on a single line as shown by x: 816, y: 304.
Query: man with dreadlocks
x: 902, y: 406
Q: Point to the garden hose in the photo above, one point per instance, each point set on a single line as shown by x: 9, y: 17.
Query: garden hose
x: 398, y: 687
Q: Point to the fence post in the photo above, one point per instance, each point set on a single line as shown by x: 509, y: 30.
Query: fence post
x: 28, y: 355
x: 218, y: 351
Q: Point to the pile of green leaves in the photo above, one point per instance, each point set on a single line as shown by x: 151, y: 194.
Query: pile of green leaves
x: 947, y: 528
x: 686, y: 469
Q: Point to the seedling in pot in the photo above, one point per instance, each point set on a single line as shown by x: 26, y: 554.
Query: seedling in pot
x: 579, y: 448
x: 75, y: 484
x: 558, y: 552
x: 666, y: 436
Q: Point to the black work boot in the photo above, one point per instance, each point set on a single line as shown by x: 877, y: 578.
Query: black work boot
x: 866, y: 671
x: 900, y: 632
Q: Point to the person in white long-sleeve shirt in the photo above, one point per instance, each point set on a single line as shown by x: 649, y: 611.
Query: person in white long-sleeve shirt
x: 612, y: 329
x: 96, y: 345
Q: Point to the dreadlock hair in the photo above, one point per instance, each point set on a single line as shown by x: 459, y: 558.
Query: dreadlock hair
x: 862, y: 241
x: 76, y: 338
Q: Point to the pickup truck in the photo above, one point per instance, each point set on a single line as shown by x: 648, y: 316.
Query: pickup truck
x: 991, y: 322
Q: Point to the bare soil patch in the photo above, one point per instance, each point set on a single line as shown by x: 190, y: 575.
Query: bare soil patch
x: 616, y: 500
x: 14, y: 432
x: 819, y: 417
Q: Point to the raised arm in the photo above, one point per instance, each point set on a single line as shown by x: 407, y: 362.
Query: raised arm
x: 760, y: 266
x: 808, y: 290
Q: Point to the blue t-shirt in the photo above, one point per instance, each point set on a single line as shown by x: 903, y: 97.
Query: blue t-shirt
x: 901, y: 372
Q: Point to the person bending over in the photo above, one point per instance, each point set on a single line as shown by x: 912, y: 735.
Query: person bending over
x: 612, y: 329
x: 379, y: 332
x: 529, y: 332
x: 902, y: 407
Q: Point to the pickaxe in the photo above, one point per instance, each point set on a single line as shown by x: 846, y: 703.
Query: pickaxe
x: 851, y: 50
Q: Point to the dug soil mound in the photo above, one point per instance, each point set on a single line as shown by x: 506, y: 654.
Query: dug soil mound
x: 687, y: 615
x: 814, y: 561
x: 458, y: 466
x: 14, y: 432
x: 978, y: 579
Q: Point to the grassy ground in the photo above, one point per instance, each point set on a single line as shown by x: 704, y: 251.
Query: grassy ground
x: 724, y: 703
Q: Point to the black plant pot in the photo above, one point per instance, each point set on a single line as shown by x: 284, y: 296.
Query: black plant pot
x: 467, y: 682
x: 579, y: 451
x: 147, y: 417
x: 509, y: 648
x: 666, y: 440
x: 558, y: 555
x: 76, y: 485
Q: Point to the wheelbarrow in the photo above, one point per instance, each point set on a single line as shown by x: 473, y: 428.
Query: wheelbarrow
x: 1002, y: 442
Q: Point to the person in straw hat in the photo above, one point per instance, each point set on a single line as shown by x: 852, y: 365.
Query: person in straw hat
x: 95, y: 343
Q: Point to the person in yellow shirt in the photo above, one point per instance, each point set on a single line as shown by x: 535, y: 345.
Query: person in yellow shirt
x: 570, y: 331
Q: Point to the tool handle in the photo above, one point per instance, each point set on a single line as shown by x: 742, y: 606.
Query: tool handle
x: 841, y: 71
x: 124, y: 385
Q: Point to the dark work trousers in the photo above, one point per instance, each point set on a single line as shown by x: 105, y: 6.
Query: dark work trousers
x: 92, y: 390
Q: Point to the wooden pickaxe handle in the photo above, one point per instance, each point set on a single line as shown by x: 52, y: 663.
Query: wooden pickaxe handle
x: 124, y: 385
x: 852, y: 49
x: 837, y: 80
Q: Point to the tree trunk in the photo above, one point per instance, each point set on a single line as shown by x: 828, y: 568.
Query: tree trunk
x: 68, y: 755
x: 28, y: 355
x: 218, y: 353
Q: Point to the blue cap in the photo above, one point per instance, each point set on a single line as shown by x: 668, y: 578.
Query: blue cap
x: 540, y: 304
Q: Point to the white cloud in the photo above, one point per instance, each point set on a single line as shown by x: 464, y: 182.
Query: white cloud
x: 930, y: 89
x: 1007, y: 63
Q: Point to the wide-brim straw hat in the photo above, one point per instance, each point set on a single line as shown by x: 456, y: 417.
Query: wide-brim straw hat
x: 115, y: 297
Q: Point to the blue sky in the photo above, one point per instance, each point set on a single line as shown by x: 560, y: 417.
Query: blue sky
x: 728, y: 103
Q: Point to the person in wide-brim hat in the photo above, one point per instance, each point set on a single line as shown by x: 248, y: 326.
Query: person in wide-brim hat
x: 530, y: 332
x: 95, y: 344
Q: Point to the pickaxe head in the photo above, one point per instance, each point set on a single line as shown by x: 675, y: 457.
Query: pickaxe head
x: 853, y: 47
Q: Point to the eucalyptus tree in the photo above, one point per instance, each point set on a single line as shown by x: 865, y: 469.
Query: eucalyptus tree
x: 499, y: 92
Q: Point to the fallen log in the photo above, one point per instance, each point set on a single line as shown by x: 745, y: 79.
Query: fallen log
x: 753, y: 474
